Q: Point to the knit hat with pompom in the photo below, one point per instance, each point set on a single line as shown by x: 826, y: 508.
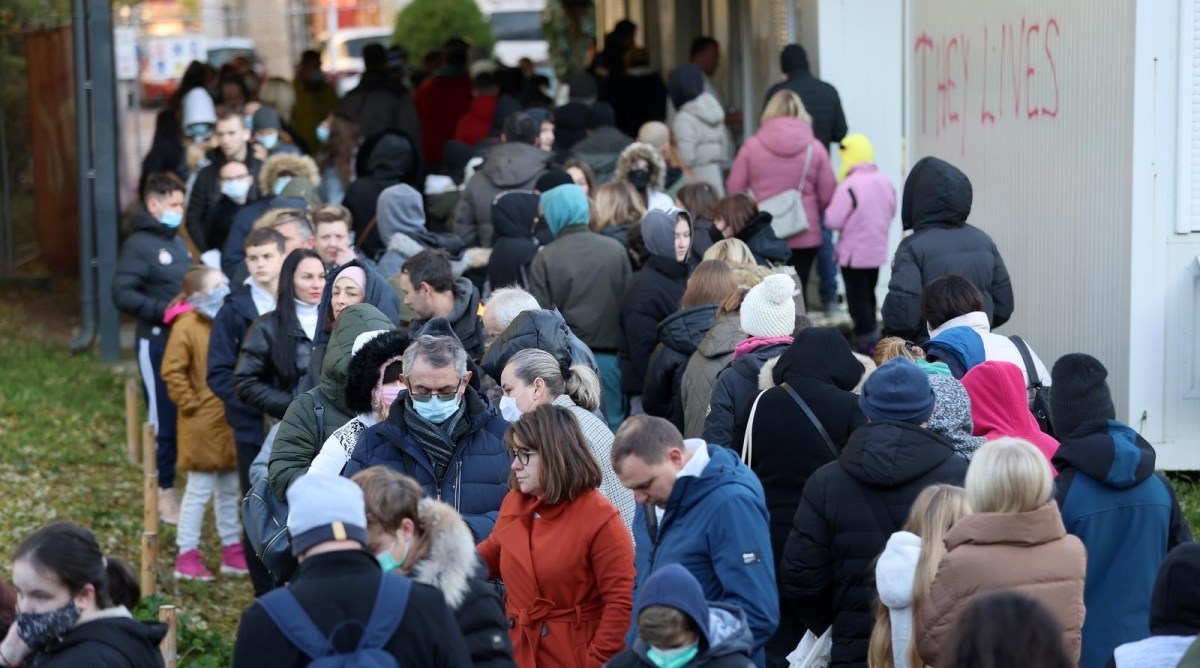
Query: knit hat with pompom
x: 769, y: 310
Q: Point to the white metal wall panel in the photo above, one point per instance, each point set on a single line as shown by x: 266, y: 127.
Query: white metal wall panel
x: 1033, y: 100
x: 1189, y: 98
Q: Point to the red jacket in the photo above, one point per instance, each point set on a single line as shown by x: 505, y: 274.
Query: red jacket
x: 441, y: 101
x: 476, y: 124
x: 999, y: 405
x: 568, y: 573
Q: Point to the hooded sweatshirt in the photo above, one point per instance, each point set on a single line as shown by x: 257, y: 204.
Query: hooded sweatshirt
x: 402, y: 226
x: 382, y: 161
x: 514, y: 216
x: 507, y: 166
x: 1127, y: 517
x: 651, y: 297
x: 378, y: 293
x: 894, y: 573
x: 1174, y: 613
x: 999, y: 408
x: 464, y: 318
x: 951, y: 417
x: 112, y: 638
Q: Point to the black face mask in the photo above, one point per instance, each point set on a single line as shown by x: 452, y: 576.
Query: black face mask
x: 640, y: 178
x: 715, y: 234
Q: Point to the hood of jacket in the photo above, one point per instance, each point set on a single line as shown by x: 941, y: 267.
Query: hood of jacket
x: 891, y: 454
x: 299, y: 166
x: 724, y: 335
x: 724, y: 468
x: 1175, y: 603
x: 379, y: 293
x: 466, y: 300
x: 543, y: 329
x: 683, y: 331
x: 114, y: 627
x: 1109, y: 452
x: 511, y: 165
x: 951, y: 417
x: 708, y: 109
x: 514, y: 214
x: 144, y: 222
x: 685, y: 83
x: 450, y: 561
x: 1035, y: 527
x: 935, y: 193
x: 761, y: 239
x: 390, y: 157
x: 728, y: 635
x: 367, y: 366
x: 335, y: 368
x: 962, y: 343
x: 400, y: 209
x: 821, y: 354
x: 642, y: 151
x: 896, y: 568
x: 785, y: 137
x: 999, y: 404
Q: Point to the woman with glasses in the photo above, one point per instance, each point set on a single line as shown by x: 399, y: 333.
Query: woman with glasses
x: 576, y: 609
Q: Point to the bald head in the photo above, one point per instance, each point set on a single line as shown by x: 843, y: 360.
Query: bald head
x: 655, y: 134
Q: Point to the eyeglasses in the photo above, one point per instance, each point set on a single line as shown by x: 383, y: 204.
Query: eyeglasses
x: 522, y: 456
x: 445, y: 396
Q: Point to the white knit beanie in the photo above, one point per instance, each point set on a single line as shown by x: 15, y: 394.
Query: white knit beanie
x: 769, y: 310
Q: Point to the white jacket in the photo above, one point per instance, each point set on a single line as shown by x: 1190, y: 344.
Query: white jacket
x: 1153, y: 652
x: 894, y: 573
x: 996, y: 347
x: 699, y: 129
x: 336, y: 450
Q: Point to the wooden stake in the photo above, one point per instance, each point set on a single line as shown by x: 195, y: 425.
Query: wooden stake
x: 149, y: 561
x: 169, y: 645
x: 131, y: 419
x: 150, y: 476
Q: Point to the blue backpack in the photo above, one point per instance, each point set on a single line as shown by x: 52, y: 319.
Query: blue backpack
x: 295, y: 624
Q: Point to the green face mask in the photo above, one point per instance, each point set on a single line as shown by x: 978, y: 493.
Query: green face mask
x: 672, y: 658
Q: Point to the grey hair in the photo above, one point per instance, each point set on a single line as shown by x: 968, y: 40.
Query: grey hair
x: 581, y: 383
x: 439, y: 351
x: 507, y: 303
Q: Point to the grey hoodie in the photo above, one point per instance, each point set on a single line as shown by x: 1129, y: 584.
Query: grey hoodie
x: 401, y: 220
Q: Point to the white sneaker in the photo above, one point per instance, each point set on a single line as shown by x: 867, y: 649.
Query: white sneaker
x: 168, y: 506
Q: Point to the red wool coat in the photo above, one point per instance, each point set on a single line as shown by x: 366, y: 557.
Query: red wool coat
x: 568, y: 571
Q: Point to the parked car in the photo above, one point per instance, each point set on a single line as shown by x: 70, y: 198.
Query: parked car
x: 222, y: 51
x: 519, y: 35
x: 343, y: 54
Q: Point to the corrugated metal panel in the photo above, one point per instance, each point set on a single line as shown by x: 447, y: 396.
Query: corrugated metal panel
x: 1190, y: 50
x: 1033, y: 100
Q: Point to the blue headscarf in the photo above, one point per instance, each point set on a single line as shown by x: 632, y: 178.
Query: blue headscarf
x: 563, y: 206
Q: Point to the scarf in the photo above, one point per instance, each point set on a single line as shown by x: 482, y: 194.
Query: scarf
x: 438, y: 441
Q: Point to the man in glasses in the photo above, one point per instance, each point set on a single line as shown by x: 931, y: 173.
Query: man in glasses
x: 441, y: 432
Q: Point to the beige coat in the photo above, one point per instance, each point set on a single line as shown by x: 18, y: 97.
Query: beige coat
x: 205, y: 438
x: 1030, y: 553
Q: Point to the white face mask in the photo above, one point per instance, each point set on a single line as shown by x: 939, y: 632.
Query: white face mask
x: 508, y: 407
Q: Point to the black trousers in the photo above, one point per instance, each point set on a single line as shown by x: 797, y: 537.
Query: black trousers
x: 802, y: 260
x: 860, y: 298
x: 260, y: 578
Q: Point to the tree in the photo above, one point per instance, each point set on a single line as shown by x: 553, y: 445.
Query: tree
x: 427, y: 24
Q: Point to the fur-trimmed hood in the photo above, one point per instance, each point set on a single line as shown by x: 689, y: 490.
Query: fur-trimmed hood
x: 451, y: 560
x: 300, y: 166
x: 640, y: 150
x: 367, y: 367
x: 766, y: 375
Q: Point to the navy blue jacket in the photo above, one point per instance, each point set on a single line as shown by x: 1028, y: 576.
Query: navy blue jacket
x: 477, y: 477
x: 233, y: 256
x: 1127, y: 517
x: 715, y: 525
x: 228, y: 330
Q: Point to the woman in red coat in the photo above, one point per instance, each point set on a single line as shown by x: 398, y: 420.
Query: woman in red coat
x: 561, y: 549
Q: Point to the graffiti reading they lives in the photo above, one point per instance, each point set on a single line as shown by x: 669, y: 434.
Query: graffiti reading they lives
x: 1018, y: 79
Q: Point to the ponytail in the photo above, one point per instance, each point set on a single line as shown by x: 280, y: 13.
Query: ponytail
x: 123, y: 587
x: 583, y: 386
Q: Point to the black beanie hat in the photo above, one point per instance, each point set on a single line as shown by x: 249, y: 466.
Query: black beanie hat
x: 551, y: 179
x: 793, y: 59
x: 1079, y: 393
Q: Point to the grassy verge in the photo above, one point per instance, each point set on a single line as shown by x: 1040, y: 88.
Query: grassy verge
x: 62, y: 456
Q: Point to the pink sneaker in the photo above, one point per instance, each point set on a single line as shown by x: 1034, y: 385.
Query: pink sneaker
x: 188, y: 566
x: 233, y: 560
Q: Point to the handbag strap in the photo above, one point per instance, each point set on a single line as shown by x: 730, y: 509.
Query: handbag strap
x: 1035, y: 381
x: 813, y: 419
x: 804, y: 173
x: 748, y: 439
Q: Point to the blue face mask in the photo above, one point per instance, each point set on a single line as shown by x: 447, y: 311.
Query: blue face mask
x: 387, y: 562
x: 269, y: 141
x: 322, y: 133
x: 436, y: 410
x: 672, y: 658
x: 209, y: 304
x: 171, y: 219
x: 280, y: 183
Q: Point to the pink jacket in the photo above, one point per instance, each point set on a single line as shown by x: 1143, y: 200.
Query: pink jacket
x: 772, y: 162
x: 862, y: 208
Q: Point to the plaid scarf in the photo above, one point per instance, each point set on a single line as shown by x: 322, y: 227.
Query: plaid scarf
x: 438, y: 441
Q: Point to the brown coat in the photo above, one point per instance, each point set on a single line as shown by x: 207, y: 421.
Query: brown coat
x: 205, y: 439
x: 568, y: 575
x: 1026, y: 552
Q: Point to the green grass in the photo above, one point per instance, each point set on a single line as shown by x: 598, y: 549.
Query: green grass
x: 1187, y: 489
x: 62, y: 456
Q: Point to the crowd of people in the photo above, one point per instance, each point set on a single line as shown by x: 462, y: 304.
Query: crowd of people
x: 535, y: 386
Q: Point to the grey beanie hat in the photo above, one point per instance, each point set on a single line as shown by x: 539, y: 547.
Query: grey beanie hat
x: 325, y: 508
x: 658, y: 231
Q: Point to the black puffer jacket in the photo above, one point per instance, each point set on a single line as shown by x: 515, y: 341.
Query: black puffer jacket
x: 108, y: 642
x: 229, y: 330
x: 150, y: 273
x: 678, y: 335
x: 651, y: 297
x: 465, y: 320
x: 260, y: 385
x: 733, y: 396
x: 849, y: 509
x: 543, y: 329
x: 937, y: 201
x: 768, y: 249
x: 206, y: 194
x: 383, y: 160
x: 514, y: 216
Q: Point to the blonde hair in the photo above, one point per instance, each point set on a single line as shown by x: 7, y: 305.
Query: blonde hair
x: 278, y: 93
x: 935, y: 510
x: 785, y: 104
x: 1009, y: 475
x: 578, y: 382
x: 616, y: 202
x: 892, y: 347
x: 730, y: 251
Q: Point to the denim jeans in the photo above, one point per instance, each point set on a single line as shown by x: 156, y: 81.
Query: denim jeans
x: 827, y: 268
